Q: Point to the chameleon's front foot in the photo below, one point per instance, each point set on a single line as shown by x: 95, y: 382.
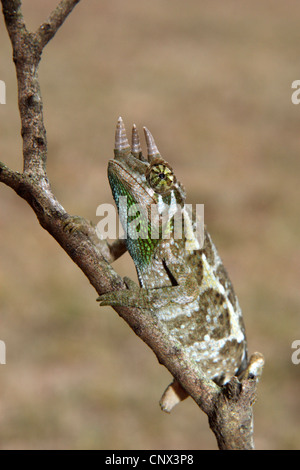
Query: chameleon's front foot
x: 133, y: 296
x: 152, y: 299
x: 76, y: 223
x: 127, y: 298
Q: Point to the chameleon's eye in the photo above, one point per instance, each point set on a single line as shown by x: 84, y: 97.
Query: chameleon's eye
x: 160, y: 178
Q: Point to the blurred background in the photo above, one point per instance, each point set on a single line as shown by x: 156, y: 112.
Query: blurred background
x: 212, y: 81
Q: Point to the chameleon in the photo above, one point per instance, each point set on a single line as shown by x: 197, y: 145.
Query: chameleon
x: 183, y: 284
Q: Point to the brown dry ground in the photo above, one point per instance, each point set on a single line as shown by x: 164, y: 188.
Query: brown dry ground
x: 212, y: 81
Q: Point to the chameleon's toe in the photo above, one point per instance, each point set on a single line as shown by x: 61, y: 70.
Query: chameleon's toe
x: 75, y: 223
x: 108, y: 299
x: 125, y: 298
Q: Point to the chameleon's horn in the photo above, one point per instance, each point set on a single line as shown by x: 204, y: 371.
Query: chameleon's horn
x: 151, y: 145
x: 136, y: 148
x: 121, y: 141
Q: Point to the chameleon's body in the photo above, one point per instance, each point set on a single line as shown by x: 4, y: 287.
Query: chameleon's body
x: 188, y: 290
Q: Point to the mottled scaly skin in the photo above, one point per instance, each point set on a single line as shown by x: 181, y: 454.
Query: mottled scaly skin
x: 211, y: 327
x: 188, y: 291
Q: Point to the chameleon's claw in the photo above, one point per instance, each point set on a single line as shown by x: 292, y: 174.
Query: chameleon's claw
x: 107, y: 299
x: 150, y: 299
x: 122, y: 298
x: 75, y: 223
x: 133, y: 296
x: 254, y: 368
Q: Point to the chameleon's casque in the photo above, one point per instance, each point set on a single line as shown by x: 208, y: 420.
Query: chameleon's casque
x: 187, y: 290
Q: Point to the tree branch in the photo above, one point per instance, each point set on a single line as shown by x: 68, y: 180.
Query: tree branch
x: 49, y: 28
x: 229, y: 409
x: 9, y: 177
x: 14, y: 20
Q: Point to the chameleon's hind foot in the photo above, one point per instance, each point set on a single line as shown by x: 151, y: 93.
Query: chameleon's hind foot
x: 254, y: 368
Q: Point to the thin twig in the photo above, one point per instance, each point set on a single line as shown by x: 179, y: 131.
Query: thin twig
x: 14, y: 20
x: 49, y: 28
x: 9, y: 177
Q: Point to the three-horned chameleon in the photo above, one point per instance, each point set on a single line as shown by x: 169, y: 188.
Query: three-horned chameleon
x: 188, y: 290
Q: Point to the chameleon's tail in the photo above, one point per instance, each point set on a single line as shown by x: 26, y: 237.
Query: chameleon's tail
x: 173, y: 395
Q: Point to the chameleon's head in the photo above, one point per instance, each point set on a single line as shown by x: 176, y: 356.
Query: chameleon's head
x: 144, y: 181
